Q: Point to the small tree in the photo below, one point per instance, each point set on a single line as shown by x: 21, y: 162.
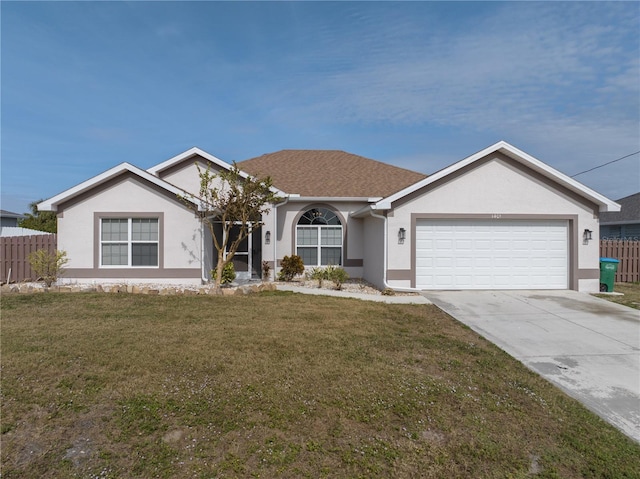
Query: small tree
x: 230, y: 198
x: 47, y: 265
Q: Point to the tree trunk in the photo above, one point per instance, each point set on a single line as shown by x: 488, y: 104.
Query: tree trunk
x: 219, y: 268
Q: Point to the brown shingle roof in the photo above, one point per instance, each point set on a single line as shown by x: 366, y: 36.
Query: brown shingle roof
x: 330, y: 173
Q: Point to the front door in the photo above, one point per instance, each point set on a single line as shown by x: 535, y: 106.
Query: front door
x: 248, y: 258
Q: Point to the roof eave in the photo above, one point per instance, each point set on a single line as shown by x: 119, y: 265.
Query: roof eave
x: 604, y: 203
x: 621, y: 222
x: 191, y: 152
x: 52, y: 203
x: 341, y: 199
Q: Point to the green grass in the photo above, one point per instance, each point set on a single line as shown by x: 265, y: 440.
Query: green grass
x: 631, y: 295
x: 278, y: 385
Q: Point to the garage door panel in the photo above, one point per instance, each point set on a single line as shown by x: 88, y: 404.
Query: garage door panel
x: 491, y: 254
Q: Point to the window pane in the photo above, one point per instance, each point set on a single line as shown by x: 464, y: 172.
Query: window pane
x: 144, y: 254
x: 319, y: 216
x: 114, y: 229
x: 309, y: 256
x: 307, y: 236
x: 114, y: 254
x: 144, y: 229
x: 331, y: 236
x: 331, y: 256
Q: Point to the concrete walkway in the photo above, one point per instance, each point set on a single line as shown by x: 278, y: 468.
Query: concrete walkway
x: 406, y: 299
x: 587, y: 346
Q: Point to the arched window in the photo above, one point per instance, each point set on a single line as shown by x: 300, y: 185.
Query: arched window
x: 319, y: 238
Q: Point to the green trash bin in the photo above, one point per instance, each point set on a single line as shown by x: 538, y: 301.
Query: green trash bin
x: 608, y: 268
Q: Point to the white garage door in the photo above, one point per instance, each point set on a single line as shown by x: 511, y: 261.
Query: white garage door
x: 491, y: 254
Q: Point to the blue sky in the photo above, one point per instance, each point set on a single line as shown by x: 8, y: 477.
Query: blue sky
x: 87, y: 85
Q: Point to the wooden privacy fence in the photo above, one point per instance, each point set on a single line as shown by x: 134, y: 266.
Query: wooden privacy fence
x: 14, y: 254
x: 628, y: 252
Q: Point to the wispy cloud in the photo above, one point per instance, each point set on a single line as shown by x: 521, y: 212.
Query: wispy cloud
x: 507, y: 68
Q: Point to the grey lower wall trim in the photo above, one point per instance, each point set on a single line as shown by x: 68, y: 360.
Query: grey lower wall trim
x: 588, y: 274
x: 111, y: 273
x: 353, y: 263
x: 399, y: 274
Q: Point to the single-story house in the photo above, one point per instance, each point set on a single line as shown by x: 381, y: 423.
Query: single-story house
x: 9, y: 219
x: 498, y: 219
x: 623, y: 224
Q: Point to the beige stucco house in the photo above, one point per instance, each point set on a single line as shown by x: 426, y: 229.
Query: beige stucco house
x: 499, y: 219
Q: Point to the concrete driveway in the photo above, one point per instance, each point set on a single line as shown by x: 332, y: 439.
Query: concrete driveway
x: 587, y: 346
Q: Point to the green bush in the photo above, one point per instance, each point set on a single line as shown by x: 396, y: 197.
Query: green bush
x: 291, y: 266
x: 333, y: 273
x: 228, y: 274
x: 48, y: 266
x: 319, y: 275
x: 336, y: 274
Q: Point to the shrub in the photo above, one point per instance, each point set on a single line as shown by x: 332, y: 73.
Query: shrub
x: 319, y: 275
x: 228, y: 274
x: 266, y: 271
x: 333, y: 273
x: 291, y: 267
x: 48, y: 266
x: 337, y: 274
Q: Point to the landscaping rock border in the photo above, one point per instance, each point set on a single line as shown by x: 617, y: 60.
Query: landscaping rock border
x: 148, y: 289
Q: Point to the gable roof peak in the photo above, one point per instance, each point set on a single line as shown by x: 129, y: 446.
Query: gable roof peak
x: 604, y: 203
x: 185, y: 155
x: 52, y: 203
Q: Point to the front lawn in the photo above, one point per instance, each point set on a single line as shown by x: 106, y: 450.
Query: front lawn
x: 630, y: 297
x: 278, y: 385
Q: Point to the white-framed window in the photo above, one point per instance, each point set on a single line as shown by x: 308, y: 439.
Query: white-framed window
x: 129, y: 242
x: 319, y: 238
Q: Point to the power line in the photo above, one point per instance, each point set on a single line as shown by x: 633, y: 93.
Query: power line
x: 596, y: 167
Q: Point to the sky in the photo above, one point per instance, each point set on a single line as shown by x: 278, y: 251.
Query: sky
x: 420, y: 85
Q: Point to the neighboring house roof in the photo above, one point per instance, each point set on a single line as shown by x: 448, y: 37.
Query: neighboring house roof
x: 9, y: 214
x: 629, y: 214
x: 605, y: 204
x: 7, y: 231
x: 330, y: 173
x: 52, y: 203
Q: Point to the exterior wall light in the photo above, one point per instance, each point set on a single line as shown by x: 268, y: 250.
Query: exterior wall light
x: 587, y: 236
x: 402, y: 234
x: 267, y: 237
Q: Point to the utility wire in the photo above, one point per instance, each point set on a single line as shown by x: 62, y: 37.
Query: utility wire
x: 596, y: 167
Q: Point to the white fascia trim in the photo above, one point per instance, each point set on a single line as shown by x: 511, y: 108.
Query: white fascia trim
x: 370, y: 208
x: 52, y: 203
x: 357, y: 199
x: 154, y: 170
x: 603, y: 202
